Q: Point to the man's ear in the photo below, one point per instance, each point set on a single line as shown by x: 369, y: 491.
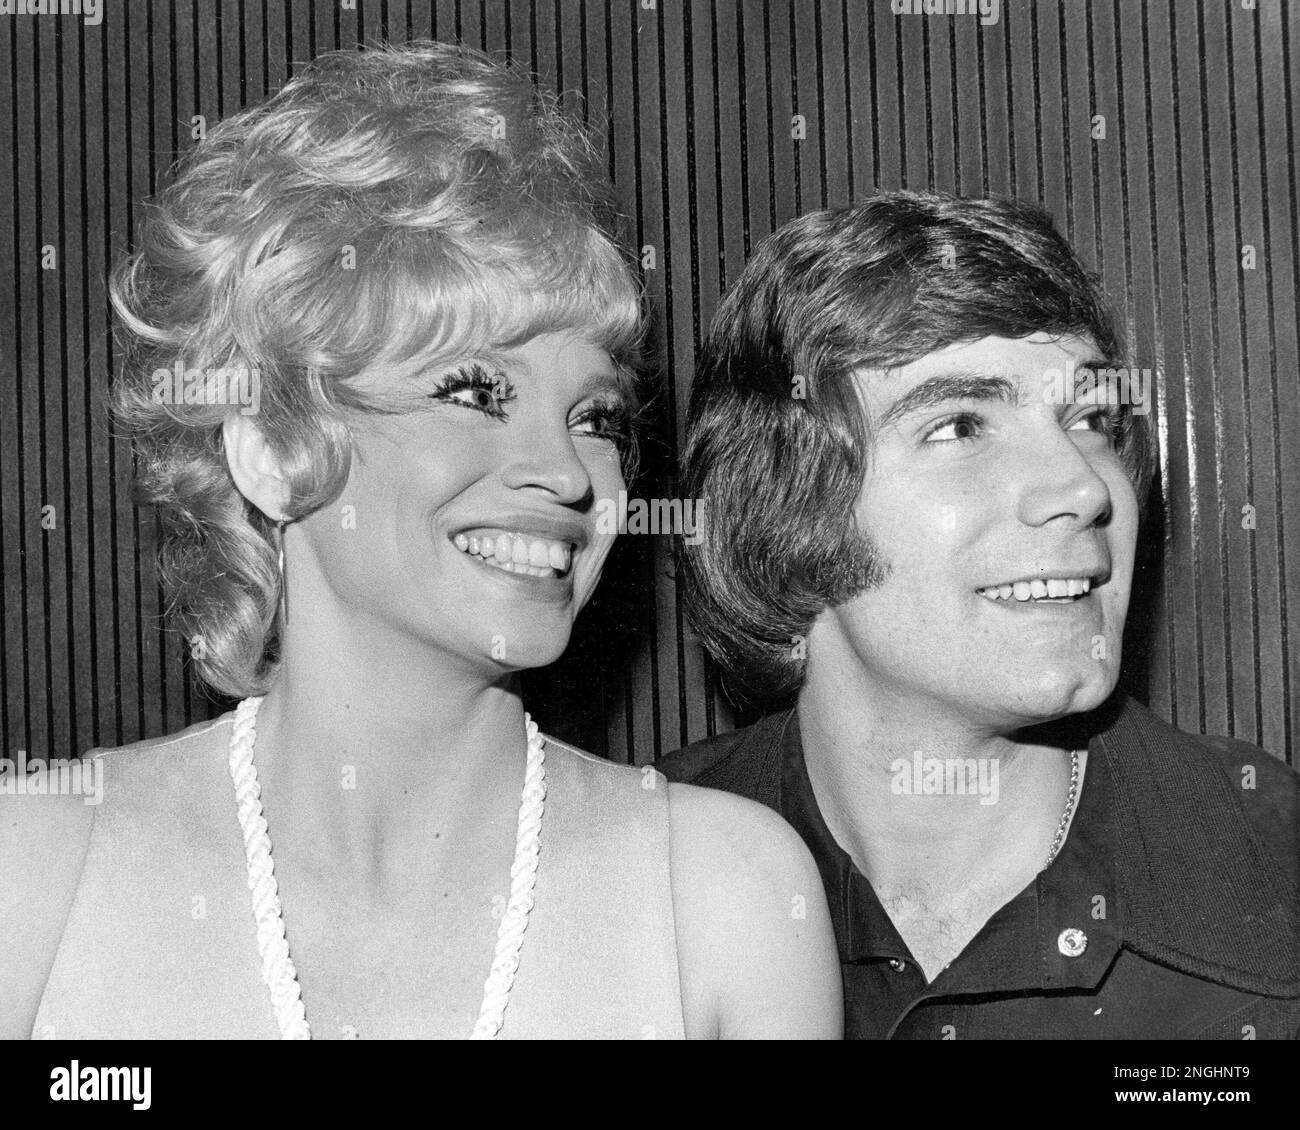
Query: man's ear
x: 254, y: 467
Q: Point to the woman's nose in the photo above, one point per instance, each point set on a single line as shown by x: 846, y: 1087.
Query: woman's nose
x: 549, y: 463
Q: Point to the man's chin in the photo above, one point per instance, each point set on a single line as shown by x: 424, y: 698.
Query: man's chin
x: 1052, y: 695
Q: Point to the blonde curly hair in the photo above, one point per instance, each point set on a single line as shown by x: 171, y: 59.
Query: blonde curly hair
x: 388, y: 203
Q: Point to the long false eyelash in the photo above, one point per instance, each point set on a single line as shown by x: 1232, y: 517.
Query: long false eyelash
x: 615, y: 419
x: 618, y: 424
x: 475, y: 376
x: 613, y: 414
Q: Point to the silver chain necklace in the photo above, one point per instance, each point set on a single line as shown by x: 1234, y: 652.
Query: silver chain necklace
x: 1059, y: 838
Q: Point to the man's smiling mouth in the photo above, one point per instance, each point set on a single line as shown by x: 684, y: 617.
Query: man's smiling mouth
x: 1056, y: 590
x: 516, y: 552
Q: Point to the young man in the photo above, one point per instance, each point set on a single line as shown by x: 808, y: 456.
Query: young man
x: 923, y: 470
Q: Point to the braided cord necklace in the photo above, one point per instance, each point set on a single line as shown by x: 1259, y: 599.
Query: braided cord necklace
x: 277, y: 966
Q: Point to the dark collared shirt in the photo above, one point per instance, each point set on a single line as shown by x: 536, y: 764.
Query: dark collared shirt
x: 1170, y: 912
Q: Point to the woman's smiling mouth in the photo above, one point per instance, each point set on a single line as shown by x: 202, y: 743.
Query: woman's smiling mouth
x: 516, y: 552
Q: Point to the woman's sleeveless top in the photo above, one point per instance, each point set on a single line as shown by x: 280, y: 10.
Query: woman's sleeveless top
x: 160, y: 941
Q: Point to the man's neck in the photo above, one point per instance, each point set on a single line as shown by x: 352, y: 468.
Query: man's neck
x: 930, y: 806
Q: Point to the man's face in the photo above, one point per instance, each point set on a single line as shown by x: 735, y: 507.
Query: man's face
x: 993, y: 509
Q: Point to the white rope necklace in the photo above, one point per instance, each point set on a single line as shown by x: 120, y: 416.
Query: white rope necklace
x: 277, y: 966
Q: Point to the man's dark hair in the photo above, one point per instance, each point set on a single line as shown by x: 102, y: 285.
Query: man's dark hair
x: 777, y: 444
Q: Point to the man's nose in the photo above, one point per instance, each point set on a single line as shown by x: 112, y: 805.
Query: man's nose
x: 1061, y: 484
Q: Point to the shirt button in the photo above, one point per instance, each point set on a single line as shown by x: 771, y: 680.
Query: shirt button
x: 897, y: 966
x: 1072, y: 942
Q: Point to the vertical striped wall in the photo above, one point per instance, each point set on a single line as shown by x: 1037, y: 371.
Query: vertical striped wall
x: 723, y: 120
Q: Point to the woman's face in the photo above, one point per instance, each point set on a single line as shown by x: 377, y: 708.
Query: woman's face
x: 469, y: 522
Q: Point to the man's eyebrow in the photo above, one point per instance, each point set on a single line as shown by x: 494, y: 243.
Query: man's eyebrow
x: 957, y: 385
x: 1095, y: 368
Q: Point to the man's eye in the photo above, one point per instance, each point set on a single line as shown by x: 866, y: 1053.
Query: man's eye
x: 955, y: 429
x: 1104, y: 419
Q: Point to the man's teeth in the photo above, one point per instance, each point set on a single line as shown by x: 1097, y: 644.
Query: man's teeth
x: 517, y: 553
x: 1055, y: 589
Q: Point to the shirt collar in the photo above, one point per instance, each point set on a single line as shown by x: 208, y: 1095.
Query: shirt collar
x: 1200, y: 890
x: 1018, y: 948
x: 1134, y: 870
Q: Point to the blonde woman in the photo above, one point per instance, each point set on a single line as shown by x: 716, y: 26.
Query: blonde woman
x: 406, y: 334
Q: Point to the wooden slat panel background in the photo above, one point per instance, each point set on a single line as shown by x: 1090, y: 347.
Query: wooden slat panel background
x: 1199, y: 159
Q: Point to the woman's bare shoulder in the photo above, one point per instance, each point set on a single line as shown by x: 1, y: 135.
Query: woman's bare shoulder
x: 755, y: 944
x: 44, y: 837
x: 734, y: 831
x: 46, y: 821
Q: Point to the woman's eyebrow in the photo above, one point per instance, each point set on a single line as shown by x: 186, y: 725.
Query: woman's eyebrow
x: 958, y: 385
x: 489, y: 363
x: 602, y: 381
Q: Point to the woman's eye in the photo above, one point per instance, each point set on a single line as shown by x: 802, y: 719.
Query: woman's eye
x: 472, y: 387
x: 604, y: 421
x: 476, y: 397
x: 955, y: 429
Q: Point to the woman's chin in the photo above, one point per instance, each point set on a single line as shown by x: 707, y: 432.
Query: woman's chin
x: 507, y: 652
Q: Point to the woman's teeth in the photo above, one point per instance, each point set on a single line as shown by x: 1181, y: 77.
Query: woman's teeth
x: 517, y: 553
x: 1055, y: 589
